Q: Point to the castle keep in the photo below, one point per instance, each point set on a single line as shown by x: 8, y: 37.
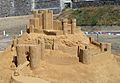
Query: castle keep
x: 43, y: 23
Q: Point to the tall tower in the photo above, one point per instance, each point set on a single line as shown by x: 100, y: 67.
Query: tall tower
x: 48, y: 19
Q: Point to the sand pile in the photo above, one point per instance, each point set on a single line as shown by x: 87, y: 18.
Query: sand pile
x: 106, y: 71
x: 60, y: 55
x: 6, y: 66
x: 55, y: 70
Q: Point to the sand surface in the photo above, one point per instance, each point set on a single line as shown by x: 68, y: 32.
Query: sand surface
x: 60, y: 67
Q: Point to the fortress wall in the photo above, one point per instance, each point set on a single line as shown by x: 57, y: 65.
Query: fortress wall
x: 70, y: 50
x: 94, y: 42
x: 103, y: 46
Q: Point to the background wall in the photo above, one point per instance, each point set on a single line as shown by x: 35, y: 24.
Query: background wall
x: 24, y: 7
x: 14, y: 7
x: 6, y: 8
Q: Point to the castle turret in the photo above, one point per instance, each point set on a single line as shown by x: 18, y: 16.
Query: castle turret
x: 73, y: 26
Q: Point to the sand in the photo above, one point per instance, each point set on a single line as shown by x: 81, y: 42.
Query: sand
x: 60, y: 67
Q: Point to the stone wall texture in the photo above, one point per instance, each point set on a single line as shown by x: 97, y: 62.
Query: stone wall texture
x: 14, y: 7
x: 6, y: 8
x: 48, y: 4
x: 23, y: 7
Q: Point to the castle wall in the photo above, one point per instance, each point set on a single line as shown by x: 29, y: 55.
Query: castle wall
x: 69, y: 26
x: 42, y: 21
x: 70, y: 50
x: 102, y: 46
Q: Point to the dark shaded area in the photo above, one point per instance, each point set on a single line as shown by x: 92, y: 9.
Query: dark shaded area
x: 28, y: 56
x: 15, y: 60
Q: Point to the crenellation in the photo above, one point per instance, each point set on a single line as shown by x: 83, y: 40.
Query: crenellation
x: 46, y: 22
x: 56, y: 48
x: 35, y: 13
x: 35, y: 22
x: 56, y: 35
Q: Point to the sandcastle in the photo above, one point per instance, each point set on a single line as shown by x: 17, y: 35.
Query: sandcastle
x: 54, y: 41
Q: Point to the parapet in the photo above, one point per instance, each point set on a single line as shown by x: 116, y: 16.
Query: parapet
x: 104, y: 47
x: 43, y: 20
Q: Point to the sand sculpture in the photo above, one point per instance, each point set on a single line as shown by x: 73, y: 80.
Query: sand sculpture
x: 49, y: 46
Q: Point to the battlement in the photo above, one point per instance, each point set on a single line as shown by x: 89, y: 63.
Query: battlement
x: 63, y: 38
x: 43, y: 22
